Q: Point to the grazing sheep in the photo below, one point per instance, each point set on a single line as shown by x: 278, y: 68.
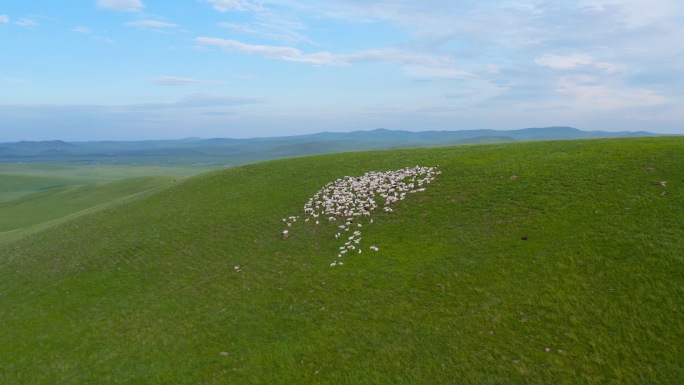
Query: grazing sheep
x: 351, y: 198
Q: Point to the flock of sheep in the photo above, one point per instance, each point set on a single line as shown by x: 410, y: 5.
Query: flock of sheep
x: 349, y: 201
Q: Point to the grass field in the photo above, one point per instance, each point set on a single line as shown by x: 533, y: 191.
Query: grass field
x: 34, y: 195
x: 38, y: 210
x: 568, y: 273
x: 20, y: 179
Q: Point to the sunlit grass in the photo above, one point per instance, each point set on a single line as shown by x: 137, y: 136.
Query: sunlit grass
x: 568, y: 273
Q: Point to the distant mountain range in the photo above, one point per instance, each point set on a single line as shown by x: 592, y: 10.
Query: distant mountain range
x: 254, y: 149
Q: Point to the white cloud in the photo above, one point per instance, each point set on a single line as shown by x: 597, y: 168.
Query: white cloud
x: 105, y: 39
x: 610, y: 67
x: 280, y: 30
x: 434, y: 73
x: 196, y: 101
x: 193, y: 101
x: 639, y: 13
x: 272, y: 20
x: 230, y: 5
x: 120, y: 5
x: 593, y: 93
x: 420, y: 18
x: 81, y: 29
x: 238, y: 28
x: 150, y: 24
x: 402, y: 57
x: 178, y: 81
x: 273, y: 52
x: 22, y: 22
x: 416, y: 64
x: 577, y: 60
x: 563, y: 62
x: 25, y: 22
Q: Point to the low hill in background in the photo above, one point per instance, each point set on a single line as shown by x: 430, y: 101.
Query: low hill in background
x: 235, y: 151
x: 540, y: 262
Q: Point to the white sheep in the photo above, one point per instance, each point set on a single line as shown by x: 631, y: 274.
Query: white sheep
x: 355, y: 197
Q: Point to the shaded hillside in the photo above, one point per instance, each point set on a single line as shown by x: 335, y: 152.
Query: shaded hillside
x: 542, y: 262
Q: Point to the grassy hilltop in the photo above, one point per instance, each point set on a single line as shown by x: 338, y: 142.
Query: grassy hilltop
x: 569, y: 272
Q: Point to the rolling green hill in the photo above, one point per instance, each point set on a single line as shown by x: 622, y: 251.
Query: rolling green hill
x: 544, y: 262
x: 32, y: 211
x: 33, y: 195
x: 15, y: 185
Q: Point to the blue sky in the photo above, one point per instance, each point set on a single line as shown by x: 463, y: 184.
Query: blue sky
x: 163, y: 69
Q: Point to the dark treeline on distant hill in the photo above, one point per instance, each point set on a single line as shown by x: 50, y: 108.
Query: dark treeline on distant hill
x: 254, y: 149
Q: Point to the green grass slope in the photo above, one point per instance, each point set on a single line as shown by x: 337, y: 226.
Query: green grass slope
x: 19, y: 179
x: 147, y: 292
x: 15, y: 185
x: 22, y: 215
